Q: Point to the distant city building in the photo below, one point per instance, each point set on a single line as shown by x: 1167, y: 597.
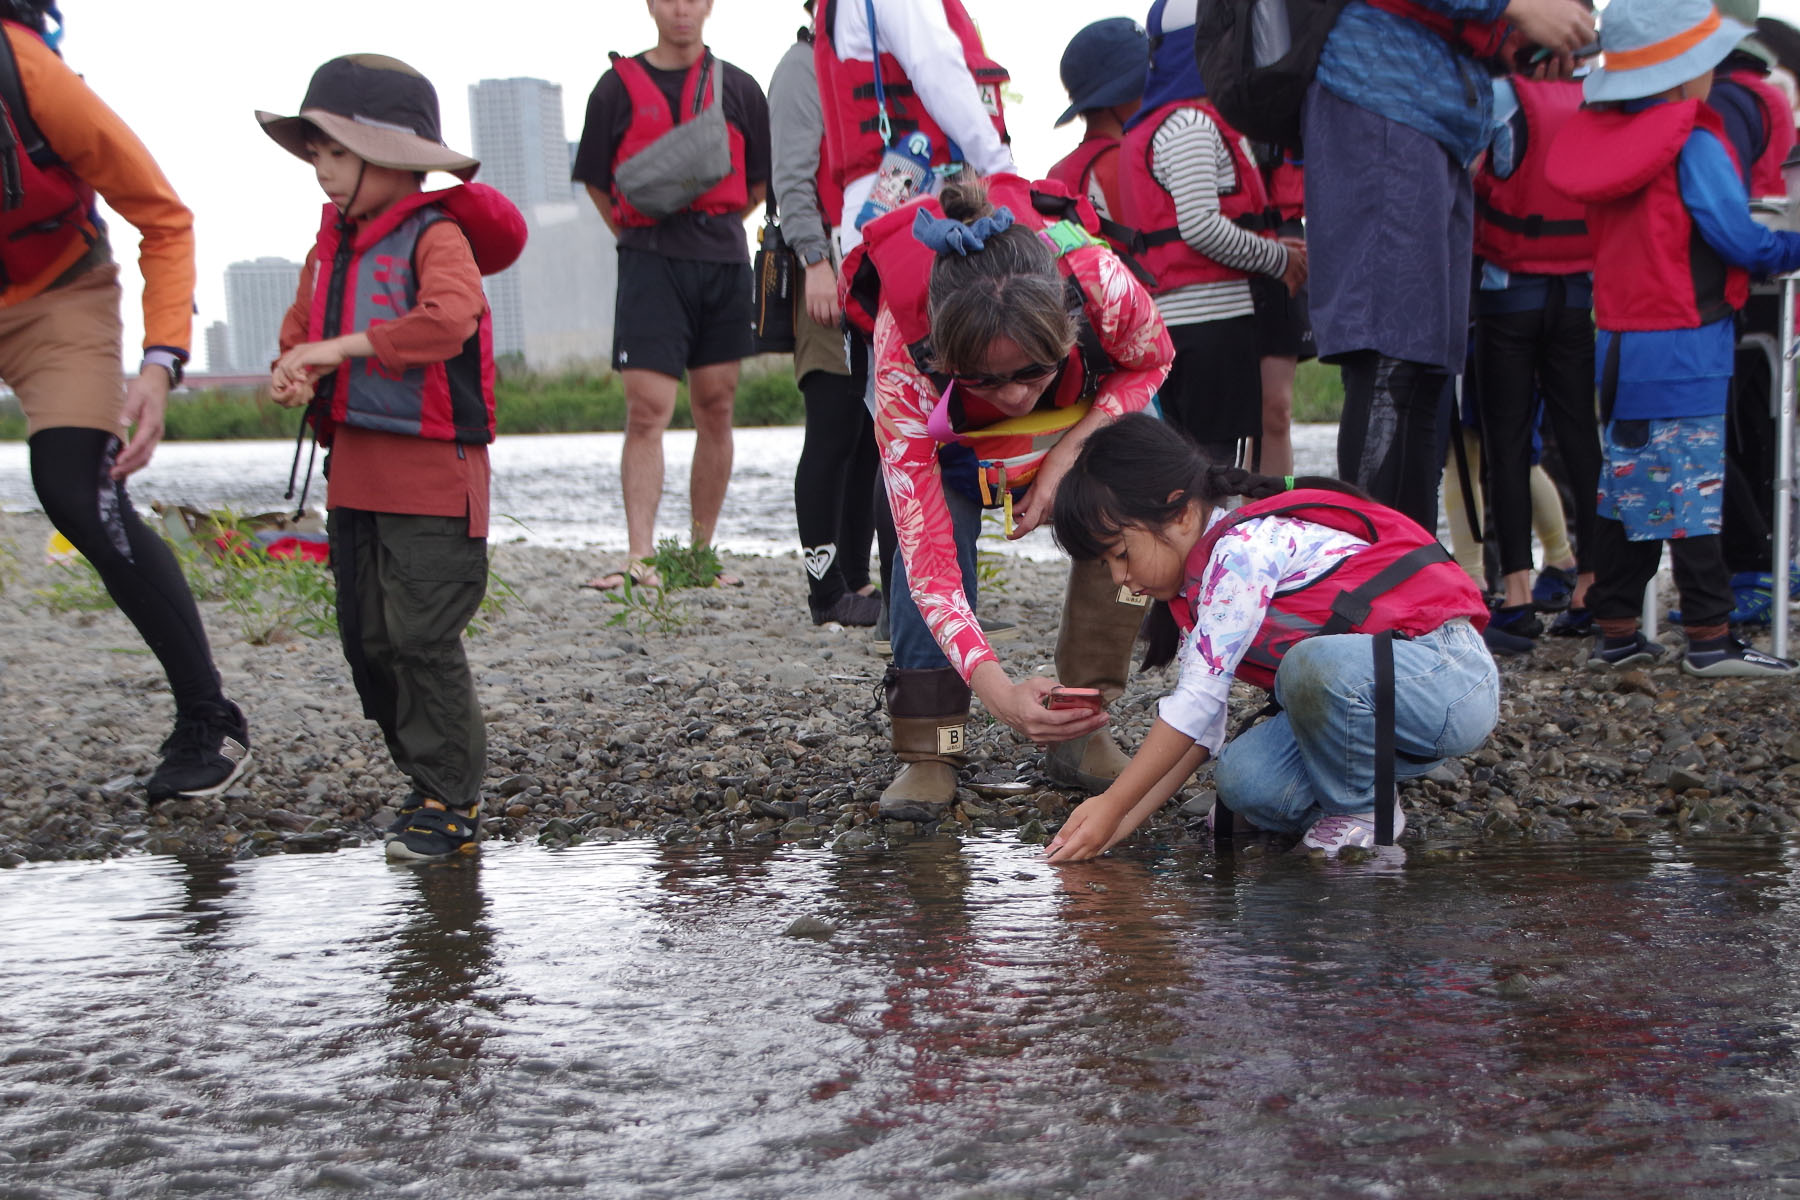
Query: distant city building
x: 218, y: 349
x: 555, y: 307
x: 257, y: 295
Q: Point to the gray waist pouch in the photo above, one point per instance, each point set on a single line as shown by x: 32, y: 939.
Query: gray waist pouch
x: 683, y: 164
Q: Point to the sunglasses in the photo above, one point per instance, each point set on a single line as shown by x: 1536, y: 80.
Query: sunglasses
x: 1026, y: 374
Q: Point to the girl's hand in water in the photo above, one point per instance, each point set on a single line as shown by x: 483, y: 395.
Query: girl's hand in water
x: 1089, y: 829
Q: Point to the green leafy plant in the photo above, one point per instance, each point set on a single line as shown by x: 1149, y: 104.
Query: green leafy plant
x: 685, y: 566
x: 990, y: 565
x: 494, y: 602
x: 644, y: 609
x: 76, y: 588
x: 9, y: 566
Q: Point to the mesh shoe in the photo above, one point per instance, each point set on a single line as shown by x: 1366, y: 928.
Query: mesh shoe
x: 1520, y: 620
x: 1332, y: 834
x: 1736, y: 661
x: 433, y: 833
x: 1753, y: 597
x: 1553, y: 589
x: 208, y: 750
x: 1635, y: 653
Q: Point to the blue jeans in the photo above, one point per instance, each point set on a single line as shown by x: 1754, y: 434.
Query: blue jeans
x: 915, y: 649
x: 1316, y: 758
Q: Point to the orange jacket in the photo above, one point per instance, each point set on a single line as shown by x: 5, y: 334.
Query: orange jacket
x: 102, y: 150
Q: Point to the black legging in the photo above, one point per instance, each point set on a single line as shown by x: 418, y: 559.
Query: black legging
x: 1547, y: 352
x: 1387, y: 438
x: 834, y: 486
x: 72, y: 472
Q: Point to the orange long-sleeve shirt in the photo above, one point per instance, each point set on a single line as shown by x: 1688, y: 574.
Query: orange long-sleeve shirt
x: 102, y: 150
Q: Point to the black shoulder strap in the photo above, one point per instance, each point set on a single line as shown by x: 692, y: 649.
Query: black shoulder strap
x: 12, y: 94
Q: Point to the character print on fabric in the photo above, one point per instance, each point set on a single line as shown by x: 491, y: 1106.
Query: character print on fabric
x: 110, y: 494
x: 1671, y: 485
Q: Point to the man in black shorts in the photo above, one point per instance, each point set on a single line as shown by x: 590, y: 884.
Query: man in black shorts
x: 684, y: 278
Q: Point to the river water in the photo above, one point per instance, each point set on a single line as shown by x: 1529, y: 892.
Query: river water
x: 628, y: 1020
x: 551, y: 489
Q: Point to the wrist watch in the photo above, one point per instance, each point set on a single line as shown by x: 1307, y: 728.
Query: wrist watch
x: 168, y: 360
x: 813, y: 258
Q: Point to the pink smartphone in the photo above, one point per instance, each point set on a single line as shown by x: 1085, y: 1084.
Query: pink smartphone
x: 1073, y: 697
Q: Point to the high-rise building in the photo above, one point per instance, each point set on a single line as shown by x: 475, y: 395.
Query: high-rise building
x: 257, y: 295
x: 518, y: 134
x: 218, y: 349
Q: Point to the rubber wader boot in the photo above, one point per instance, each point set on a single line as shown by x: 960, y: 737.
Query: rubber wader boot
x: 1100, y: 622
x: 929, y: 710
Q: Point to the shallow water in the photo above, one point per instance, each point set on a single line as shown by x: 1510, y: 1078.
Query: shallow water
x: 629, y: 1020
x: 549, y: 489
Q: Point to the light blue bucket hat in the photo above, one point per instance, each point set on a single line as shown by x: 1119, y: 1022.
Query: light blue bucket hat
x: 1650, y: 46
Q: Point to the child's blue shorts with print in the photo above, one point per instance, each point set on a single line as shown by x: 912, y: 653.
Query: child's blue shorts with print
x: 1664, y: 478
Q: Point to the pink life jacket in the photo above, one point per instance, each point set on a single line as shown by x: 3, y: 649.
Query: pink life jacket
x: 368, y: 277
x: 1778, y: 132
x: 1404, y: 580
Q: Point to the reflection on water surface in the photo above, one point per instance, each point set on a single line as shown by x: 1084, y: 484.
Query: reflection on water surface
x: 629, y: 1020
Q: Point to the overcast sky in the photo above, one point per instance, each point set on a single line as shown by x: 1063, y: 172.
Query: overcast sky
x: 189, y: 76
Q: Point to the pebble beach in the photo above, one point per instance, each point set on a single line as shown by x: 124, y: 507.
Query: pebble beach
x: 727, y: 717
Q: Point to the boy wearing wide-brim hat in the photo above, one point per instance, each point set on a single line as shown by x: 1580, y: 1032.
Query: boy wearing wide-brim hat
x: 389, y: 347
x: 1673, y: 247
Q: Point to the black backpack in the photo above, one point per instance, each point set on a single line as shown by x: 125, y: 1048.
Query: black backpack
x: 1257, y: 58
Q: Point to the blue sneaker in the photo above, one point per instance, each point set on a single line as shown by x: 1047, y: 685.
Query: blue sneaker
x: 1572, y: 622
x: 1755, y: 600
x: 1553, y: 590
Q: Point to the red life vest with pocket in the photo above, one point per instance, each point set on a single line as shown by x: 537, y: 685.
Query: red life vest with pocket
x: 1778, y: 132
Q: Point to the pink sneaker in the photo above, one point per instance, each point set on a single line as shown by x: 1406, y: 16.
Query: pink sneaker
x: 1332, y: 834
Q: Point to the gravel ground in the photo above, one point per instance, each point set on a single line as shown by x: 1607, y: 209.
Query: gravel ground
x: 750, y: 725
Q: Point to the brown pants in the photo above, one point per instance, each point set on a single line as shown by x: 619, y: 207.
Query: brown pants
x: 59, y: 352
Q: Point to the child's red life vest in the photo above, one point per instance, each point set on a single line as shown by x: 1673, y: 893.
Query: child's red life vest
x: 1076, y: 167
x: 854, y: 138
x: 1149, y: 206
x: 1521, y: 222
x: 45, y: 208
x: 1404, y: 581
x: 651, y: 118
x: 1651, y: 270
x: 1480, y: 40
x: 368, y: 278
x: 1778, y: 132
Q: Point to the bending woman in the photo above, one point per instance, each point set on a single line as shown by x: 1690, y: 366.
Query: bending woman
x: 1002, y: 340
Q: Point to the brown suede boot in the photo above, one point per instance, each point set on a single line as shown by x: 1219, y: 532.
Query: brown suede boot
x: 929, y: 710
x: 1100, y: 622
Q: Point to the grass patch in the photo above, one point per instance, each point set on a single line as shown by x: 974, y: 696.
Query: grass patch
x: 1318, y: 393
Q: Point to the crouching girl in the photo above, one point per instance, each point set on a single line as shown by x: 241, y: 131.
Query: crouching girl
x: 1287, y: 592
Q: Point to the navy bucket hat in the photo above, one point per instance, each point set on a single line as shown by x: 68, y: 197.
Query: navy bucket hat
x: 1105, y: 64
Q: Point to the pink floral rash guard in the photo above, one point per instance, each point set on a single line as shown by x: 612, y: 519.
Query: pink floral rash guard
x: 1131, y: 333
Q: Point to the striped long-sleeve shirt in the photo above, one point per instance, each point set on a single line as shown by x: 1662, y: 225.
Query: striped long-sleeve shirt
x: 1189, y: 158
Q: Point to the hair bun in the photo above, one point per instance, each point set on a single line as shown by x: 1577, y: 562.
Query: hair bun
x: 965, y: 200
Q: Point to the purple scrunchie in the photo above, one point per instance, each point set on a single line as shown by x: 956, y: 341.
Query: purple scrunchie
x: 943, y: 235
